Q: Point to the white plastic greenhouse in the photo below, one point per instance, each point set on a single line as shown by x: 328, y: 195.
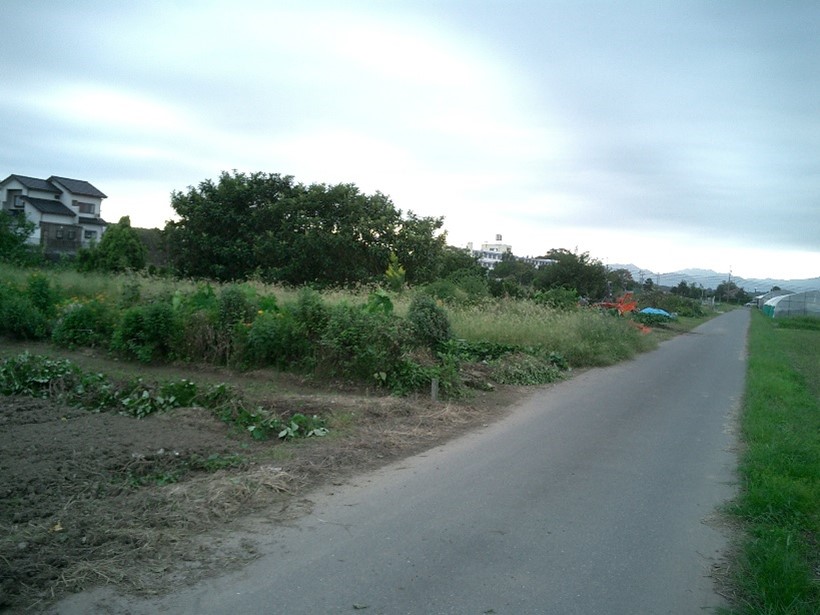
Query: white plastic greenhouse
x: 796, y: 304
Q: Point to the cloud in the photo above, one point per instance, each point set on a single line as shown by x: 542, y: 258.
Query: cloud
x: 676, y: 130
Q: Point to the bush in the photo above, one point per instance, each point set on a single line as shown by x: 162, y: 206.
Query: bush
x: 310, y: 313
x: 429, y: 323
x: 362, y: 345
x: 444, y: 290
x: 674, y: 304
x: 20, y: 318
x: 147, y: 332
x: 84, y: 324
x: 277, y: 339
x: 558, y: 298
x: 234, y: 307
x: 42, y: 295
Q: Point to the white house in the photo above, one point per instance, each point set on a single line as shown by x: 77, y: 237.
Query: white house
x: 65, y: 212
x: 491, y: 254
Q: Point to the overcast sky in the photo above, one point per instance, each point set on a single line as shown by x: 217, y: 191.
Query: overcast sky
x: 666, y: 134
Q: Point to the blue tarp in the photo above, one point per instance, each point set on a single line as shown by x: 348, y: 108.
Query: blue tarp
x: 656, y: 311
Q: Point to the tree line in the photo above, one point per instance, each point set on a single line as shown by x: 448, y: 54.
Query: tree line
x: 270, y: 227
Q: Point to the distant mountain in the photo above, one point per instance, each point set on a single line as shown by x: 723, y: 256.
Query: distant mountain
x: 711, y: 279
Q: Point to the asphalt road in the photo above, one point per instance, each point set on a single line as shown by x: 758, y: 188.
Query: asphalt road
x: 594, y: 496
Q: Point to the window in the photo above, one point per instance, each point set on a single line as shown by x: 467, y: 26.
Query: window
x: 16, y: 198
x: 72, y: 234
x: 85, y: 208
x: 58, y: 233
x: 90, y: 234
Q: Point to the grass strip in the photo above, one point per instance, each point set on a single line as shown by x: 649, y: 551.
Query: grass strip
x: 777, y: 570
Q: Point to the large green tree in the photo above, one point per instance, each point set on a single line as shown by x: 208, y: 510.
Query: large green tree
x: 269, y: 225
x: 572, y: 270
x: 221, y: 223
x: 119, y: 249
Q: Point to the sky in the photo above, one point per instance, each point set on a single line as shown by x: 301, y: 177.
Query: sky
x: 669, y: 135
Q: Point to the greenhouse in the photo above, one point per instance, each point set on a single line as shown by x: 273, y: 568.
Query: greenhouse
x: 796, y: 304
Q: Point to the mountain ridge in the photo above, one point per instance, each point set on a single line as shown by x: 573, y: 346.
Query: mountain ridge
x: 709, y: 278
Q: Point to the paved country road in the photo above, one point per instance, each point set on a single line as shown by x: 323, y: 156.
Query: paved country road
x: 593, y: 496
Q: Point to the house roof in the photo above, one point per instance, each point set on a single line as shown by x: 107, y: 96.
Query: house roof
x: 46, y: 206
x: 34, y: 183
x: 93, y: 221
x: 77, y: 186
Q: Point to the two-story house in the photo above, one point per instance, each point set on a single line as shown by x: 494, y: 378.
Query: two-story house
x: 65, y: 212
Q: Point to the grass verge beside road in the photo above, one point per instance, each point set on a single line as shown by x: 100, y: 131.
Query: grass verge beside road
x: 777, y: 566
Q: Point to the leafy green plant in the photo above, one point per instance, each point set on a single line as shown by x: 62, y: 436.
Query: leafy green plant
x: 147, y: 332
x: 379, y: 301
x: 311, y: 313
x: 396, y: 274
x: 300, y: 425
x: 131, y: 292
x: 234, y: 307
x: 84, y: 323
x: 40, y: 376
x: 36, y: 375
x: 42, y: 294
x: 674, y: 304
x: 277, y: 339
x: 558, y: 298
x: 429, y: 322
x: 358, y: 343
x: 651, y: 320
x: 20, y: 318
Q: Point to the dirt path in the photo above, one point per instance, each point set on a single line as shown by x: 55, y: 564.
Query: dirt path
x: 89, y: 499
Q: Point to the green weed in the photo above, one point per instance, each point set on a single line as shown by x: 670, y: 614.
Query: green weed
x: 779, y: 505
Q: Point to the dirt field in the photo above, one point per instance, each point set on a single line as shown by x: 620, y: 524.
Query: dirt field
x: 89, y: 499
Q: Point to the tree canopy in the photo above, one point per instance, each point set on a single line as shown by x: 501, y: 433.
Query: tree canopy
x: 268, y: 225
x: 14, y: 231
x: 119, y: 249
x: 575, y: 271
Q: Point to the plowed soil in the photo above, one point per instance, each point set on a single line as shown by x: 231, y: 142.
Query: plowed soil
x: 100, y: 498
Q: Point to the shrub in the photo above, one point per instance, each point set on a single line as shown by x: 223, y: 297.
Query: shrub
x: 674, y: 304
x: 473, y: 284
x: 558, y: 298
x: 429, y: 323
x: 201, y: 339
x: 277, y: 339
x: 84, y: 324
x: 147, y: 332
x: 445, y: 290
x: 42, y: 295
x: 20, y: 318
x: 131, y: 292
x: 379, y: 301
x: 363, y: 345
x: 310, y: 313
x: 234, y: 307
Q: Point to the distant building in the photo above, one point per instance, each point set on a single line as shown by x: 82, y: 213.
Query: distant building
x: 65, y: 212
x: 491, y: 254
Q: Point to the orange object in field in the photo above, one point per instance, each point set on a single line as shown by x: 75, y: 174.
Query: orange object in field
x: 625, y: 303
